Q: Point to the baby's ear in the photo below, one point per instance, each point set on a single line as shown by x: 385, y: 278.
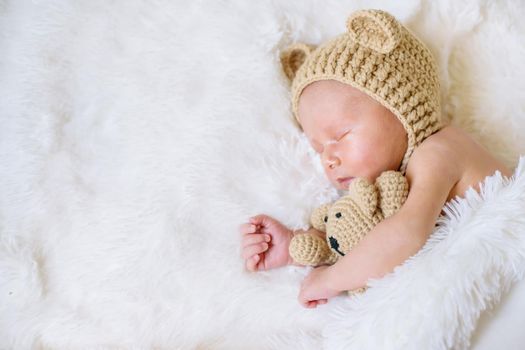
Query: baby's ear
x: 374, y: 29
x: 293, y: 57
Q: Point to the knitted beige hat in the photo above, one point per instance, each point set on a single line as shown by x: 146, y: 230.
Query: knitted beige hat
x: 382, y: 58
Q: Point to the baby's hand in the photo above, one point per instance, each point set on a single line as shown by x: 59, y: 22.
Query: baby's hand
x: 317, y: 287
x: 265, y: 243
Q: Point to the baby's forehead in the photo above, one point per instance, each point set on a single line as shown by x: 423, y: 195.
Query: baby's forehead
x: 332, y: 122
x: 326, y: 100
x: 332, y: 89
x: 330, y: 117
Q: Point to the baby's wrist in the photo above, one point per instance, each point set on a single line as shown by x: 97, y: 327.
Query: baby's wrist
x: 333, y: 279
x: 296, y: 232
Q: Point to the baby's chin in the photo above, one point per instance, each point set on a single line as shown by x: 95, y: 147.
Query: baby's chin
x: 341, y: 186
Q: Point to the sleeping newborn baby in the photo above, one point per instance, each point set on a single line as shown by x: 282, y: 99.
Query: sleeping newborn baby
x: 368, y: 102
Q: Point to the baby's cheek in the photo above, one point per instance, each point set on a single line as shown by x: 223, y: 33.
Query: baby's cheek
x: 361, y: 155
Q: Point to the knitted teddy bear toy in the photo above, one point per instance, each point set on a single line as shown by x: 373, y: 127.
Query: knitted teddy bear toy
x: 349, y: 219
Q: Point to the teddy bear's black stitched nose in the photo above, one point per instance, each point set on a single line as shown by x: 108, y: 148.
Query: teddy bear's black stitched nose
x: 335, y: 245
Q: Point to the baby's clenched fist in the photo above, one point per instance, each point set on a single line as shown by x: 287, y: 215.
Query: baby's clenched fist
x: 265, y: 243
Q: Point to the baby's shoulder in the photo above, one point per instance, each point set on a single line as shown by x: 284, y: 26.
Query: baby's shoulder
x: 445, y: 140
x: 433, y: 171
x: 444, y: 152
x: 456, y: 157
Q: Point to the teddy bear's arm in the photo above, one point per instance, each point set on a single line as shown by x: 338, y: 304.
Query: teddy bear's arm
x: 393, y: 192
x: 311, y: 249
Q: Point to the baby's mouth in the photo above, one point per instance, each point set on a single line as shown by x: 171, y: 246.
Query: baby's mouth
x: 344, y: 181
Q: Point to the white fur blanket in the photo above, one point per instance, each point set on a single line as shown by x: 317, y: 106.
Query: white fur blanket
x: 136, y: 136
x: 434, y: 299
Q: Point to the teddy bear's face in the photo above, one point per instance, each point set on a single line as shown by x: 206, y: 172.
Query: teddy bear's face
x: 346, y: 225
x: 335, y: 222
x: 350, y: 218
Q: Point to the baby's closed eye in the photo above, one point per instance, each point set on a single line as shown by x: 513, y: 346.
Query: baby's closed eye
x: 319, y: 148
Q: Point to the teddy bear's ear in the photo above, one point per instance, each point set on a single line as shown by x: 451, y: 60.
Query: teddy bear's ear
x: 375, y: 29
x: 393, y: 191
x: 364, y: 195
x: 293, y: 57
x: 319, y: 217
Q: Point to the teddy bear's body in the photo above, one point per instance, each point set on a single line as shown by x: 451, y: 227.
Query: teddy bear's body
x: 349, y: 219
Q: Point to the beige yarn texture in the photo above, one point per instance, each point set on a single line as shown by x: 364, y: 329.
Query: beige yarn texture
x: 382, y: 58
x: 349, y: 219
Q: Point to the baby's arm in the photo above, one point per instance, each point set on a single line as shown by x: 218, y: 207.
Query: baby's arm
x: 265, y: 242
x: 400, y: 236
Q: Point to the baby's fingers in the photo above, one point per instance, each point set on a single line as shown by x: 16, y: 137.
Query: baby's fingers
x: 248, y: 228
x: 255, y: 238
x: 251, y: 263
x: 261, y: 219
x: 253, y: 249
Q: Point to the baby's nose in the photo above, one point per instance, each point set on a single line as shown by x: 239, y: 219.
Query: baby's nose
x: 333, y: 162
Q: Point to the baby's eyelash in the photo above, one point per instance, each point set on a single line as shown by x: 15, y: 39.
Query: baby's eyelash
x: 346, y: 133
x: 319, y: 148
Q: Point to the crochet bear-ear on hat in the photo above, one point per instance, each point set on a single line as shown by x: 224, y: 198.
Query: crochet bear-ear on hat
x: 374, y: 29
x: 382, y: 58
x: 293, y: 57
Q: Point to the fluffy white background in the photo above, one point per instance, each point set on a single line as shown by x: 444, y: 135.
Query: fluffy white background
x: 135, y: 137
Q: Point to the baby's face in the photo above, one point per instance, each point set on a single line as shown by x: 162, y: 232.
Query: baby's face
x: 354, y: 135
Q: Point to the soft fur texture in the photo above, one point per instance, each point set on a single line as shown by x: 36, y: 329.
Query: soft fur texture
x: 433, y: 301
x: 136, y: 136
